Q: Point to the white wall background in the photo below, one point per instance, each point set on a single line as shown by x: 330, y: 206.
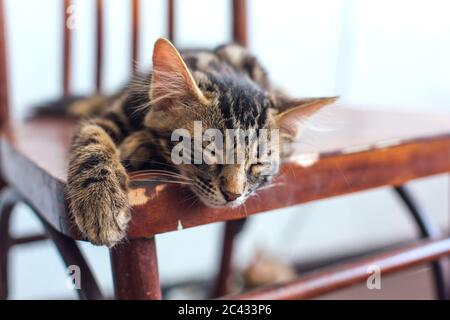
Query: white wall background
x: 384, y: 54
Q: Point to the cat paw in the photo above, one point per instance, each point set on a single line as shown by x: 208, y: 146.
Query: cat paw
x: 101, y: 210
x: 97, y: 186
x: 108, y: 231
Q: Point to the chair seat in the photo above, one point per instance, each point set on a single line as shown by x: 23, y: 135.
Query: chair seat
x: 366, y: 149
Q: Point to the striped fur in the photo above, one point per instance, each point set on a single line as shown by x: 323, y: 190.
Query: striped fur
x: 226, y: 88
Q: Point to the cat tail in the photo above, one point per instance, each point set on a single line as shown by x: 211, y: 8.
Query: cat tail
x: 74, y: 106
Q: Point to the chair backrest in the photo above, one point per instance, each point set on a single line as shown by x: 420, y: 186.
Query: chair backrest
x: 239, y: 35
x: 4, y: 101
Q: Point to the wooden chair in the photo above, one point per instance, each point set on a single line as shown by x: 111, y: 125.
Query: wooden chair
x: 378, y: 149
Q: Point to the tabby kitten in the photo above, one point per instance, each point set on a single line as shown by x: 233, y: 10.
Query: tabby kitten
x: 225, y: 89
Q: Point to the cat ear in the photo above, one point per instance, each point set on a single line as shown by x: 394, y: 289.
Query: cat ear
x: 293, y: 112
x: 171, y: 78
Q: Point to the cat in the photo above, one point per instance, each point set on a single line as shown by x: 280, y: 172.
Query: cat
x: 226, y: 88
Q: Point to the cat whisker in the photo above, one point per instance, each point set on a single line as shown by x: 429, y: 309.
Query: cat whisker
x: 255, y: 194
x: 147, y: 161
x: 159, y: 173
x: 189, y: 198
x: 245, y: 209
x: 195, y: 200
x: 159, y: 178
x: 150, y: 172
x: 273, y: 185
x: 162, y: 180
x: 336, y: 164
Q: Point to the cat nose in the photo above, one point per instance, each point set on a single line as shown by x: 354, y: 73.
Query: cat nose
x: 230, y: 196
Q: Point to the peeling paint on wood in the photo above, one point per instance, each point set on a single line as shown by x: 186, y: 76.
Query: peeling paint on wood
x: 388, y: 143
x: 306, y: 159
x: 356, y: 149
x: 137, y: 197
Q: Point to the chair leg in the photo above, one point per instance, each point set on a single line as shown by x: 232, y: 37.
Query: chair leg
x: 72, y: 256
x: 428, y: 229
x: 232, y: 229
x: 7, y: 203
x: 135, y: 270
x: 66, y: 246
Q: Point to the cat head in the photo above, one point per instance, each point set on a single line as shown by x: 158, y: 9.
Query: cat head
x: 221, y: 100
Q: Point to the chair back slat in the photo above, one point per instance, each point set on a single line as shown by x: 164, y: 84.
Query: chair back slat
x: 239, y: 24
x: 171, y: 20
x: 67, y: 47
x: 135, y: 33
x: 239, y: 33
x: 4, y: 99
x: 99, y: 45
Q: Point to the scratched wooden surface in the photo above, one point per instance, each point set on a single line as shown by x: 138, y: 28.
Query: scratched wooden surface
x: 369, y: 149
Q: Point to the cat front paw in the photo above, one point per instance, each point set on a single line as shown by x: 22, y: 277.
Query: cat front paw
x: 108, y: 231
x: 97, y: 185
x: 103, y: 218
x: 100, y: 207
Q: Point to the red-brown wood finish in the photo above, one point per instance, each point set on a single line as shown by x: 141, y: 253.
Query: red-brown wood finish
x: 99, y: 17
x: 239, y: 14
x: 67, y: 47
x: 4, y: 101
x: 135, y: 270
x: 331, y: 176
x: 29, y: 239
x: 382, y: 153
x: 341, y: 276
x: 225, y: 273
x: 375, y: 149
x: 171, y: 20
x: 135, y: 34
